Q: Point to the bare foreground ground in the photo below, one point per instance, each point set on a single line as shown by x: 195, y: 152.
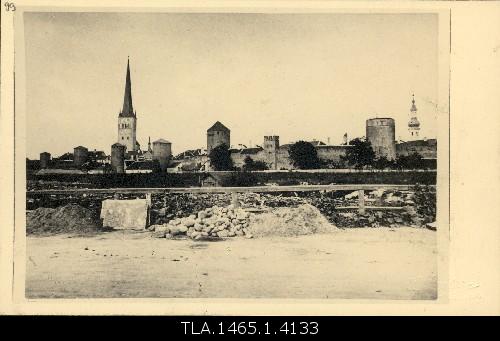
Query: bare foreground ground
x: 379, y: 263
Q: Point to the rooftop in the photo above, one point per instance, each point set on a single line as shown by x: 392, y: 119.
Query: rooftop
x: 253, y: 150
x: 162, y: 141
x: 141, y: 165
x: 218, y: 127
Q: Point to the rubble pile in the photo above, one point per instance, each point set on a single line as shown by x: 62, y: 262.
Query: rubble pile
x: 290, y: 221
x: 418, y: 206
x: 288, y: 199
x: 213, y: 222
x: 173, y: 206
x: 64, y: 219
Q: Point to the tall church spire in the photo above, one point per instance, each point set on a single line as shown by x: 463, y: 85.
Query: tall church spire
x: 128, y: 110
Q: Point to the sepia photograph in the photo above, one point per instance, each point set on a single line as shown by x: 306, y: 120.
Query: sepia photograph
x: 232, y: 155
x: 248, y: 167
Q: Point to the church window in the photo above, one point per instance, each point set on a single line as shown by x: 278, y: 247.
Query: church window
x: 122, y: 137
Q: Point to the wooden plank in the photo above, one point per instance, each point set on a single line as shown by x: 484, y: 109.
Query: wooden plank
x: 370, y: 208
x: 255, y: 189
x: 234, y: 199
x: 361, y: 201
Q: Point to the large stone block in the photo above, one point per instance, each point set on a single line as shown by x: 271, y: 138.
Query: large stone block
x: 125, y: 214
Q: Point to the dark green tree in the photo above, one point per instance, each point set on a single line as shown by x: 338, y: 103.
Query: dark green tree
x: 220, y: 158
x: 303, y: 155
x: 361, y: 154
x: 251, y: 165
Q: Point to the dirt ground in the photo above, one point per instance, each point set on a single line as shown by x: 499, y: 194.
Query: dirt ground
x: 379, y: 263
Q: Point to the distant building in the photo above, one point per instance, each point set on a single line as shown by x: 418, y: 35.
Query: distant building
x: 147, y: 155
x: 118, y: 158
x: 216, y: 135
x: 98, y: 157
x: 101, y: 169
x: 211, y: 180
x: 80, y: 156
x: 45, y: 160
x: 189, y: 154
x: 381, y: 133
x: 142, y: 167
x: 162, y: 152
x: 271, y: 147
x: 193, y: 160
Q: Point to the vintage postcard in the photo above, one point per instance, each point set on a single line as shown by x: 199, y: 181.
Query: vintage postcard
x: 210, y: 157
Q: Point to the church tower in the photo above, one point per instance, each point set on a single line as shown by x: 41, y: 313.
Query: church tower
x: 413, y: 124
x: 127, y: 119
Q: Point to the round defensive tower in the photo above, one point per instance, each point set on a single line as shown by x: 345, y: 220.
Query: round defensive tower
x: 44, y: 160
x: 118, y: 158
x: 381, y: 132
x: 80, y: 155
x: 162, y: 151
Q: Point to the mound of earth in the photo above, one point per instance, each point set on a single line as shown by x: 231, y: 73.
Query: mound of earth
x: 290, y: 221
x: 71, y: 218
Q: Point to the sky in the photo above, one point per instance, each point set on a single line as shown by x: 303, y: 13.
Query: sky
x: 299, y: 76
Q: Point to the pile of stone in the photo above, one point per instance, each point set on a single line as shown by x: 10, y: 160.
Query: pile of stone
x: 273, y: 200
x: 290, y: 222
x: 166, y: 208
x: 213, y: 222
x: 64, y: 219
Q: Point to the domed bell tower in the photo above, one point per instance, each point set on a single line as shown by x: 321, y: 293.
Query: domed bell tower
x: 413, y: 124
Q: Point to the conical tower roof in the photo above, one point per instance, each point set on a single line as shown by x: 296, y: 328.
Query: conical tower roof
x: 218, y: 127
x: 128, y: 109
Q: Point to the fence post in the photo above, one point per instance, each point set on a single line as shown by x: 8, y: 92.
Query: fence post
x: 361, y: 199
x: 148, y: 202
x: 234, y: 199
